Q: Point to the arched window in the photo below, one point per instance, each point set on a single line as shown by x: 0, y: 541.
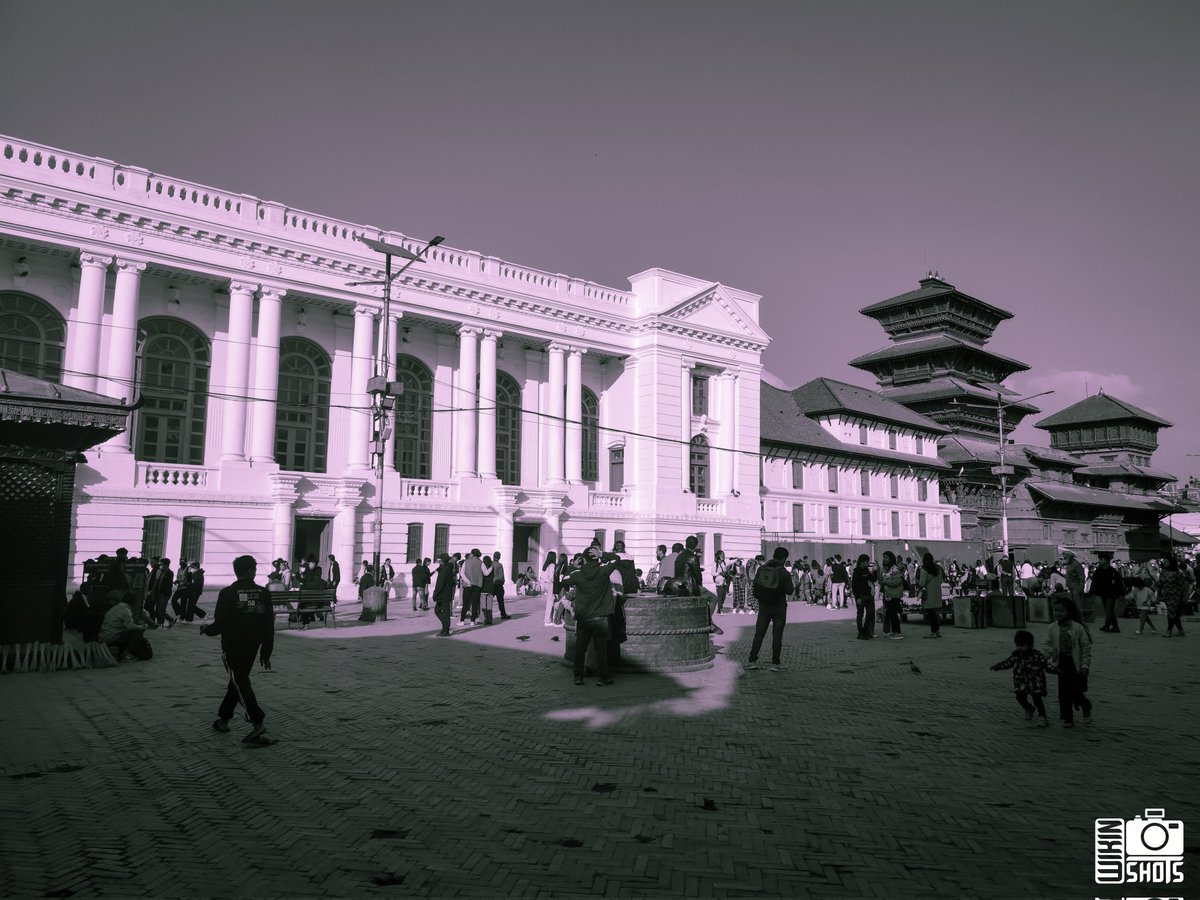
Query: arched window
x: 413, y: 427
x: 698, y: 475
x: 302, y: 412
x: 590, y: 464
x: 174, y: 385
x: 508, y: 429
x: 32, y: 336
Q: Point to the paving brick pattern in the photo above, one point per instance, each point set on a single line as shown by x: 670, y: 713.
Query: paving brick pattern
x: 408, y: 765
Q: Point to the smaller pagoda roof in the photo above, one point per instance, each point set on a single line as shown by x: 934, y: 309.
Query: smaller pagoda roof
x: 1050, y: 455
x: 931, y: 287
x: 43, y: 414
x: 1127, y: 470
x: 948, y: 386
x: 1175, y: 536
x: 1100, y: 407
x: 928, y: 344
x: 783, y: 422
x: 1089, y: 496
x: 824, y: 395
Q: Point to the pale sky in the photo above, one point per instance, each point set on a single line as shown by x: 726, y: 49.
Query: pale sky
x: 1042, y: 156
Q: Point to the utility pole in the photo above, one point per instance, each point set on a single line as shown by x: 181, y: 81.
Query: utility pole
x: 383, y: 393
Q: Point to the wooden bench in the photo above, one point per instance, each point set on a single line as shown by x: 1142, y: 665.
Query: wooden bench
x: 308, y: 601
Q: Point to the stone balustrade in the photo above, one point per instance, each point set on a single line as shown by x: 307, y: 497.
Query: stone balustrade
x: 102, y: 177
x: 706, y: 506
x: 607, y: 500
x: 417, y: 491
x: 167, y: 476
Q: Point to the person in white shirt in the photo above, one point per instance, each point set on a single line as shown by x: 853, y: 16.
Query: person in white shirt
x: 119, y: 630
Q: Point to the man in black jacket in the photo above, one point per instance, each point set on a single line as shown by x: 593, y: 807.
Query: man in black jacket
x: 772, y: 586
x: 246, y: 623
x: 443, y: 592
x: 593, y: 604
x: 1108, y: 585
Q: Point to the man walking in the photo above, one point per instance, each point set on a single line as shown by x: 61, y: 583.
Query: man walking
x: 443, y: 592
x: 195, y: 587
x: 246, y: 624
x: 1075, y: 577
x: 1108, y: 585
x: 158, y: 591
x: 772, y: 586
x: 498, y: 584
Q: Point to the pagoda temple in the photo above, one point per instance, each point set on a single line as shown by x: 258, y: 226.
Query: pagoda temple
x: 1093, y: 489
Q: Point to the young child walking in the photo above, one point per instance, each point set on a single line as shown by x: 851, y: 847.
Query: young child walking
x: 1068, y: 650
x: 1144, y: 599
x: 1029, y: 677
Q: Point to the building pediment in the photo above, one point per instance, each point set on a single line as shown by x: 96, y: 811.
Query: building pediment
x: 712, y: 309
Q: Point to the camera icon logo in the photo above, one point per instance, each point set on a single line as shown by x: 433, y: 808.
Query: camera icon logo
x: 1143, y: 850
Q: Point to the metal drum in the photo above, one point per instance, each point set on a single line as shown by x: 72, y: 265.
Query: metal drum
x: 663, y: 634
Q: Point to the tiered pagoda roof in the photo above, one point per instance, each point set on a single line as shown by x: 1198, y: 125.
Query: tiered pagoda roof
x: 936, y: 364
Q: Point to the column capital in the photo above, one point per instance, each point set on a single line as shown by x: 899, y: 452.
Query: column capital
x: 272, y: 292
x: 464, y: 330
x: 556, y: 347
x: 687, y: 366
x: 242, y: 287
x: 395, y: 316
x: 577, y: 351
x: 94, y: 260
x: 360, y: 311
x: 491, y: 334
x: 133, y: 266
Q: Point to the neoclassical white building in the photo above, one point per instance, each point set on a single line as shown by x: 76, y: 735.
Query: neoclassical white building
x: 539, y: 409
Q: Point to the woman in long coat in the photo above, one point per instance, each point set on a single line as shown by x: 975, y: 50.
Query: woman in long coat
x: 929, y: 583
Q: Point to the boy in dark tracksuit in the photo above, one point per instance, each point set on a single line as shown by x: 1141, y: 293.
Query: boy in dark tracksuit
x: 246, y: 623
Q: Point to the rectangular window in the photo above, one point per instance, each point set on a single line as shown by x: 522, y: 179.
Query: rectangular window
x: 922, y: 527
x: 865, y: 483
x: 866, y: 521
x: 415, y: 533
x: 441, y: 540
x: 797, y: 475
x: 891, y: 440
x: 699, y: 395
x: 920, y: 446
x: 716, y: 543
x: 191, y: 547
x: 598, y: 537
x: 895, y: 524
x: 797, y: 518
x: 616, y: 468
x: 946, y: 528
x: 154, y: 536
x: 834, y: 524
x: 862, y: 435
x: 833, y: 479
x: 618, y: 537
x: 922, y: 490
x: 894, y: 483
x: 1047, y: 531
x: 700, y: 544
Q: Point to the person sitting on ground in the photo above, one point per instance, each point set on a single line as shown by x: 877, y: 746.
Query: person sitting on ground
x: 119, y: 630
x: 83, y: 616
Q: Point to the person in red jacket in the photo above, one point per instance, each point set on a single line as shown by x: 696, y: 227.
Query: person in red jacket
x: 245, y: 622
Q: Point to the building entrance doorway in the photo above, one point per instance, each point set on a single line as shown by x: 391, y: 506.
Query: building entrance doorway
x: 525, y: 546
x: 312, y: 537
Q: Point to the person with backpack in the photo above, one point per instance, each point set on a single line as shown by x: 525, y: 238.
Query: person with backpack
x: 771, y: 587
x: 838, y: 579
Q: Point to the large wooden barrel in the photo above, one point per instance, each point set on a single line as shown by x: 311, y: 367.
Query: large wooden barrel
x: 663, y: 634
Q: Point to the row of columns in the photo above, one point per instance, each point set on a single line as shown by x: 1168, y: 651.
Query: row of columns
x: 475, y: 408
x: 243, y: 403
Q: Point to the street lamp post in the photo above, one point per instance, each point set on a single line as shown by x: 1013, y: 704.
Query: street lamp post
x: 1003, y: 470
x: 383, y: 392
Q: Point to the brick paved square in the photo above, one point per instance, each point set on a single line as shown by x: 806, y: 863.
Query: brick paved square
x: 412, y: 766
